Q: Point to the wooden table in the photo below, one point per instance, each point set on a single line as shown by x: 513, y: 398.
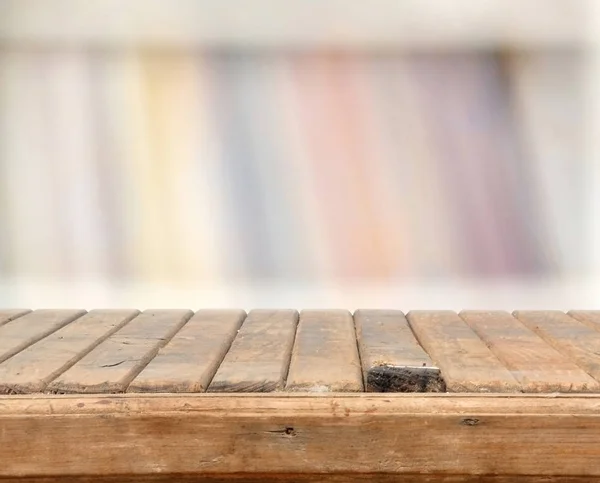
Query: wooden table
x: 324, y: 395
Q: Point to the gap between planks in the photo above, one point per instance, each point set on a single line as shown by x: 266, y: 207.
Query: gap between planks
x: 325, y: 351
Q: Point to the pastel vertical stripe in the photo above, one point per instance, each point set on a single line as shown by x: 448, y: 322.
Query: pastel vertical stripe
x: 235, y: 90
x: 72, y: 135
x: 206, y: 222
x: 194, y: 168
x: 33, y: 240
x: 446, y: 85
x: 269, y: 139
x: 109, y: 119
x: 172, y: 97
x: 149, y: 247
x: 307, y: 211
x: 336, y: 172
x: 357, y: 142
x: 384, y: 189
x: 553, y: 146
x: 417, y: 209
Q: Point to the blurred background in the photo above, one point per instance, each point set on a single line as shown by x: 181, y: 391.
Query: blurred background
x: 395, y: 154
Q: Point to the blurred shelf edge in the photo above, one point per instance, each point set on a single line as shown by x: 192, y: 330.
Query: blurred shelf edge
x: 352, y: 24
x: 447, y: 294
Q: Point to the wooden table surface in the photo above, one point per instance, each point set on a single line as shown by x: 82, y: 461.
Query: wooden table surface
x: 178, y: 351
x: 172, y: 395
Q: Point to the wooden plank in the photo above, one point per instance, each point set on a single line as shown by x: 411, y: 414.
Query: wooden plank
x: 537, y: 366
x: 571, y: 337
x: 392, y: 359
x: 259, y: 357
x: 6, y: 315
x: 466, y: 363
x: 591, y: 318
x: 33, y: 368
x: 259, y: 435
x: 112, y: 365
x: 325, y: 356
x: 309, y: 478
x: 189, y: 361
x: 32, y: 327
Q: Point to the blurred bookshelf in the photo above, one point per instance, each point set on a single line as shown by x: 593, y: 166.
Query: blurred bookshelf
x: 386, y: 153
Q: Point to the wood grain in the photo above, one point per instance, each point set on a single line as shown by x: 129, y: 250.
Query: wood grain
x: 325, y: 356
x: 6, y: 315
x: 189, y: 361
x: 259, y: 357
x: 465, y: 361
x: 202, y: 435
x: 31, y: 328
x: 536, y: 365
x: 33, y: 368
x: 112, y: 365
x: 577, y: 341
x: 310, y: 478
x: 591, y: 318
x: 392, y: 359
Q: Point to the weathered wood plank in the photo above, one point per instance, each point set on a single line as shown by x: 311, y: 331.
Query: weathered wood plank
x: 112, y: 365
x: 571, y: 337
x: 33, y: 368
x: 204, y: 435
x: 536, y: 365
x: 6, y: 315
x: 325, y: 356
x: 189, y: 361
x: 31, y: 328
x: 466, y: 363
x: 392, y: 359
x: 591, y: 318
x: 310, y: 478
x: 259, y: 357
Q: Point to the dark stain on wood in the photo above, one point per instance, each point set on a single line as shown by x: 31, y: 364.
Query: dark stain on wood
x: 405, y: 379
